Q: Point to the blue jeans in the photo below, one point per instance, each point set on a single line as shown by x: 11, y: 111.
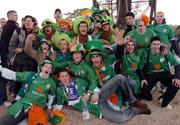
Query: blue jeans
x: 110, y: 87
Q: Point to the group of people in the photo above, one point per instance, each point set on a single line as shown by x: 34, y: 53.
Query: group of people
x: 87, y: 61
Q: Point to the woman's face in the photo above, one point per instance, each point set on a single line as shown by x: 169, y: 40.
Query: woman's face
x: 130, y: 47
x: 44, y: 47
x: 28, y: 23
x: 63, y: 46
x: 96, y: 59
x: 83, y: 29
x: 155, y: 46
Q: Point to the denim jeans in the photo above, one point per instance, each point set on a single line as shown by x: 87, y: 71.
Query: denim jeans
x: 111, y: 86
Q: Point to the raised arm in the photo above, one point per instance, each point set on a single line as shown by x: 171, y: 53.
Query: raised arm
x: 28, y: 47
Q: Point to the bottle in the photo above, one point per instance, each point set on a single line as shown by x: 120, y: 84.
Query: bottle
x: 86, y: 115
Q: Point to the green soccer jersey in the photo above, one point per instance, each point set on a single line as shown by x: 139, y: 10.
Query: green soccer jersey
x: 158, y: 62
x: 164, y: 31
x: 142, y: 40
x: 37, y: 93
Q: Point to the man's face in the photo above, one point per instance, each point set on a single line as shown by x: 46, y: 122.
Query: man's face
x: 14, y: 16
x: 129, y: 20
x: 48, y: 29
x: 83, y: 29
x: 77, y: 57
x: 96, y: 59
x: 159, y: 17
x: 46, y: 70
x: 64, y: 77
x: 2, y: 21
x: 64, y: 27
x: 106, y: 27
x: 155, y: 46
x: 58, y: 15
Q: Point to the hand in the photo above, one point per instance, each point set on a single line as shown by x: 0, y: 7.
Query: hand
x: 49, y: 112
x: 95, y: 97
x: 176, y: 82
x: 31, y: 37
x: 18, y: 50
x: 12, y: 61
x: 85, y: 97
x: 118, y: 37
x: 143, y: 82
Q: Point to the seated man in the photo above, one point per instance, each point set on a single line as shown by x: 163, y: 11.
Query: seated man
x: 34, y: 102
x: 74, y: 94
x: 110, y: 84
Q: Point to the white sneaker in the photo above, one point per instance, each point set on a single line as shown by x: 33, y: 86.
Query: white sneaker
x: 169, y: 107
x: 7, y: 104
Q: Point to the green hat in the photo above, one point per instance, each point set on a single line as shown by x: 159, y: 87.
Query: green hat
x: 77, y: 48
x: 95, y: 47
x: 55, y: 120
x: 60, y: 37
x: 47, y: 22
x: 106, y: 20
x: 105, y: 10
x: 95, y: 11
x: 46, y: 62
x: 45, y: 41
x: 77, y: 21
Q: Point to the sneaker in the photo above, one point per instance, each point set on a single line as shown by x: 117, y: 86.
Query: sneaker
x: 169, y: 107
x: 7, y: 104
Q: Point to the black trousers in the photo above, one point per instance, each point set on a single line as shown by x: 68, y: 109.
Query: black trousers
x: 165, y: 78
x: 3, y: 96
x: 11, y: 120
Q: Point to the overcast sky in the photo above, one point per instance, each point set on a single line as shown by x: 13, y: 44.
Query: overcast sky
x: 42, y: 9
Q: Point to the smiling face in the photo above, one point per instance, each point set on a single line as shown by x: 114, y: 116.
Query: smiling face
x: 106, y: 27
x: 96, y: 59
x: 130, y: 47
x: 48, y: 29
x: 159, y: 17
x: 28, y: 24
x: 63, y: 46
x: 83, y: 28
x: 155, y: 46
x: 64, y: 77
x: 46, y: 69
x: 64, y: 27
x: 44, y: 47
x: 77, y: 57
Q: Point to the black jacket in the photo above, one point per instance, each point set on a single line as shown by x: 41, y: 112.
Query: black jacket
x: 7, y: 32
